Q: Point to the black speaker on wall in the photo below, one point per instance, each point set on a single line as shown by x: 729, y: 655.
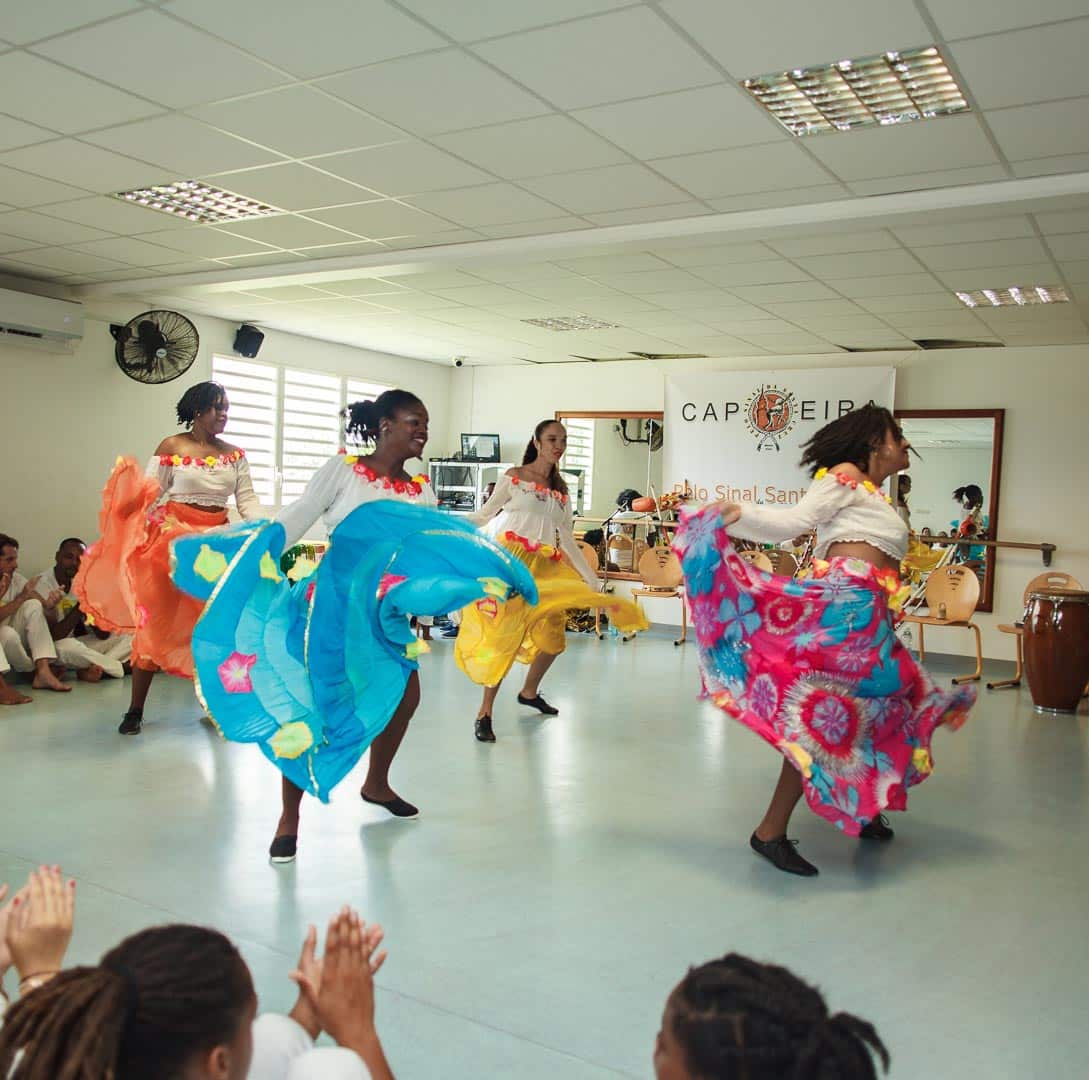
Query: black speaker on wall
x: 247, y: 342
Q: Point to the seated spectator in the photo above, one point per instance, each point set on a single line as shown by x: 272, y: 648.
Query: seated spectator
x: 736, y: 1018
x: 178, y: 1001
x: 25, y: 641
x: 90, y: 651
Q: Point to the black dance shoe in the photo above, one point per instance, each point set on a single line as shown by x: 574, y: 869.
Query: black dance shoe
x: 539, y: 704
x: 781, y: 853
x: 878, y: 829
x: 283, y: 849
x: 131, y: 722
x: 396, y: 806
x: 483, y: 729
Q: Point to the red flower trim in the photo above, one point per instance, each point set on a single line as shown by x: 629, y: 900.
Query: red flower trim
x: 532, y: 546
x: 539, y: 487
x: 401, y: 487
x: 202, y: 462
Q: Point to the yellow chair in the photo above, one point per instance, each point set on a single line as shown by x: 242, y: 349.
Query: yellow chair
x: 759, y: 559
x: 663, y: 578
x: 952, y: 593
x: 1052, y: 579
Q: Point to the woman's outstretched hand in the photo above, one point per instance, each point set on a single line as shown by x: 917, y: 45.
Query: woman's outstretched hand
x: 39, y: 926
x: 729, y: 511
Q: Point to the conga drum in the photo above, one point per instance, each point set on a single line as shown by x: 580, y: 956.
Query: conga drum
x: 1056, y: 645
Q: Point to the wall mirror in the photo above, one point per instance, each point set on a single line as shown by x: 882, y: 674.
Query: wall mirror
x: 952, y: 488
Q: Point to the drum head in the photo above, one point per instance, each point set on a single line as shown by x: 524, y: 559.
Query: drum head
x: 1071, y: 596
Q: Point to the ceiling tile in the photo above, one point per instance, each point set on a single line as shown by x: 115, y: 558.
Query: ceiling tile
x: 666, y: 280
x: 336, y: 251
x: 54, y: 97
x: 488, y: 204
x: 19, y: 133
x: 184, y: 147
x: 624, y: 54
x: 268, y: 258
x: 1051, y: 166
x: 204, y: 240
x: 799, y: 309
x: 821, y: 323
x: 637, y: 216
x: 944, y: 301
x: 535, y: 147
x: 878, y: 339
x: 286, y: 231
x: 569, y: 290
x: 14, y: 243
x: 416, y: 301
x: 965, y: 232
x: 113, y: 215
x: 534, y: 228
x: 24, y: 23
x: 784, y: 292
x: 410, y: 168
x: 74, y: 262
x: 978, y: 174
x: 890, y: 285
x: 986, y: 277
x: 299, y: 121
x: 754, y: 168
x: 723, y: 345
x: 830, y: 267
x: 728, y: 313
x: 404, y: 93
x: 481, y: 294
x: 610, y: 309
x: 763, y: 200
x: 747, y: 42
x: 199, y: 69
x: 489, y: 18
x: 685, y: 122
x: 985, y: 253
x: 952, y: 142
x: 508, y: 273
x: 1025, y: 66
x: 833, y: 243
x: 1037, y: 131
x: 956, y: 19
x: 294, y: 186
x: 286, y: 33
x: 127, y: 250
x: 1063, y: 221
x: 616, y: 187
x: 363, y: 286
x: 95, y: 168
x: 47, y: 230
x: 621, y: 263
x: 1067, y: 248
x: 765, y: 272
x: 714, y: 254
x: 384, y: 218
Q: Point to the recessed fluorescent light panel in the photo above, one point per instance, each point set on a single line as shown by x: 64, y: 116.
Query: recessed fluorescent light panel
x: 574, y: 322
x: 893, y: 88
x: 194, y: 201
x: 1014, y: 296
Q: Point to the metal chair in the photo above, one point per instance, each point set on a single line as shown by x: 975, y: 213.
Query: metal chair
x: 663, y: 579
x: 952, y: 593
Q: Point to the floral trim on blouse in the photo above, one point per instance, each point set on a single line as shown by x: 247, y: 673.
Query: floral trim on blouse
x: 538, y: 487
x: 546, y: 551
x: 846, y: 481
x: 212, y: 461
x: 366, y: 473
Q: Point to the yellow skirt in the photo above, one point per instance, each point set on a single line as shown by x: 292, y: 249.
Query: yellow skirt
x: 494, y: 633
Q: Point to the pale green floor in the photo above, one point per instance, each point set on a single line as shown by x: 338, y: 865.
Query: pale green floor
x: 559, y: 882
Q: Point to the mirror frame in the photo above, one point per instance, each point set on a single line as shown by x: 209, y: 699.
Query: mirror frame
x: 986, y: 595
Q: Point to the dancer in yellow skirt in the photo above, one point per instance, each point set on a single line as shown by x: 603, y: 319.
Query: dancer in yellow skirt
x: 534, y: 522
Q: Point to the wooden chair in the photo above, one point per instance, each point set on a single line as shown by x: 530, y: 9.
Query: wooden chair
x: 759, y: 559
x: 1052, y: 579
x: 663, y: 578
x: 622, y: 552
x: 952, y: 593
x: 782, y: 562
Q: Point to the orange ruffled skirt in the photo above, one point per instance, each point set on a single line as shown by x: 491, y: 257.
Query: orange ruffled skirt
x: 124, y: 579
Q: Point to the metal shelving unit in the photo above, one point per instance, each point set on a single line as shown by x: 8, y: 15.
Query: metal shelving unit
x: 459, y: 485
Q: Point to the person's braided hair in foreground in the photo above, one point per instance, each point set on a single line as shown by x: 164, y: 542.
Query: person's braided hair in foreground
x: 737, y: 1019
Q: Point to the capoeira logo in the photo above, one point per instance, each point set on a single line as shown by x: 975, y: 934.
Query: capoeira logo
x: 770, y: 414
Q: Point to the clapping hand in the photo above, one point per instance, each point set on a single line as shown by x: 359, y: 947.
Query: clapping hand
x: 54, y: 598
x: 39, y: 926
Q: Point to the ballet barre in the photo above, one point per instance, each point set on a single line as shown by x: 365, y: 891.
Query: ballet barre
x: 1046, y: 550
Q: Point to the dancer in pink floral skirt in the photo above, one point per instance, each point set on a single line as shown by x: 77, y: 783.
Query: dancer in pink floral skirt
x: 813, y: 664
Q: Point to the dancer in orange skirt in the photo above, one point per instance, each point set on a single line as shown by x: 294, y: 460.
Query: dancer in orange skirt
x: 124, y: 579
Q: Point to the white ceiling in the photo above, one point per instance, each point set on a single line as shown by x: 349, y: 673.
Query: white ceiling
x: 448, y: 170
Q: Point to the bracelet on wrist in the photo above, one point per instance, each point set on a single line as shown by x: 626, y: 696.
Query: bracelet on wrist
x: 36, y: 976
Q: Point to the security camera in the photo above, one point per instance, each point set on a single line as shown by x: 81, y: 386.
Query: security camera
x: 459, y: 361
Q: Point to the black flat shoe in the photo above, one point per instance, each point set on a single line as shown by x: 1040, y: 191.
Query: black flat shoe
x: 782, y: 853
x: 131, y: 723
x: 878, y: 829
x: 483, y: 729
x: 396, y: 806
x: 539, y: 704
x: 283, y: 849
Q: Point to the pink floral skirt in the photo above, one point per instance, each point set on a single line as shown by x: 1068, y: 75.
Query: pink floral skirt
x: 813, y: 666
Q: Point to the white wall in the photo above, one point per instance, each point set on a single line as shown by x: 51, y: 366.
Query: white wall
x: 618, y: 465
x: 1045, y: 466
x: 66, y: 418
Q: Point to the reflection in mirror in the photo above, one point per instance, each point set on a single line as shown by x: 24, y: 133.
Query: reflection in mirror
x: 951, y: 488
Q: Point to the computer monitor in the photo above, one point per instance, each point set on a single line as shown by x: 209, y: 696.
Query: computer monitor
x: 479, y: 447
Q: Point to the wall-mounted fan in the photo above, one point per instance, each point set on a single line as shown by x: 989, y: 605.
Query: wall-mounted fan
x: 156, y: 346
x: 651, y: 434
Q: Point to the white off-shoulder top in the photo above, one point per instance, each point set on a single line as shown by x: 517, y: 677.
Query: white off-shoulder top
x: 338, y: 487
x: 206, y: 481
x: 838, y: 508
x: 535, y: 513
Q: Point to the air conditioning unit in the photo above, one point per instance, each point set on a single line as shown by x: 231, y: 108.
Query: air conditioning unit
x: 39, y: 321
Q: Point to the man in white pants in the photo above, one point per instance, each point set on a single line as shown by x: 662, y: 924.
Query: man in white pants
x: 25, y: 639
x: 91, y: 652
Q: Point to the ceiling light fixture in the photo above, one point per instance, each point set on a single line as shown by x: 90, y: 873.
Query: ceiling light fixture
x: 1014, y: 296
x: 201, y: 203
x: 572, y: 322
x: 893, y: 88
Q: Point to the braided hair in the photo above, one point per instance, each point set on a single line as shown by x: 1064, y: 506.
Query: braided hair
x: 156, y: 1001
x: 555, y: 481
x: 362, y: 419
x: 197, y: 399
x: 851, y: 438
x: 736, y: 1017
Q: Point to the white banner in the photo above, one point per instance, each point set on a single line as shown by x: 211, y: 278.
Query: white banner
x: 737, y: 435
